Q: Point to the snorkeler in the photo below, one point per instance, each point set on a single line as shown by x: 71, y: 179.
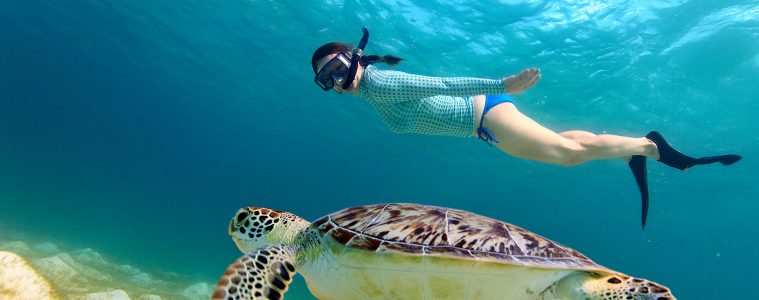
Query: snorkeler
x: 465, y: 107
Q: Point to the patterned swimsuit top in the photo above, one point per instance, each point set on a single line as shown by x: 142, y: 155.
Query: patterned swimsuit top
x: 409, y: 103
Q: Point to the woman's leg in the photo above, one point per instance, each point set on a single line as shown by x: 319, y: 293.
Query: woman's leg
x: 522, y: 137
x: 577, y: 134
x: 580, y: 136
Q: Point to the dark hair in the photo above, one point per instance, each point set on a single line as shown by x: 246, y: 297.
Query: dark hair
x: 335, y: 47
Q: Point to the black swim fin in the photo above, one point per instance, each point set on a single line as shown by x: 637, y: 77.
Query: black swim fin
x: 673, y: 158
x: 638, y: 166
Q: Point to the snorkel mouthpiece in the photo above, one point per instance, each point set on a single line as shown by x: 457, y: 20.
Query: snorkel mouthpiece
x: 355, y: 59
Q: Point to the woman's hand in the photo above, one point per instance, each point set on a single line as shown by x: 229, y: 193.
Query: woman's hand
x: 516, y: 84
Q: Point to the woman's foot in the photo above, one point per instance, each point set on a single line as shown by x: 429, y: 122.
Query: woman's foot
x: 673, y: 158
x: 516, y: 84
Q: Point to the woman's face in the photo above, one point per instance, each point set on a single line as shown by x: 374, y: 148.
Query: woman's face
x: 339, y: 87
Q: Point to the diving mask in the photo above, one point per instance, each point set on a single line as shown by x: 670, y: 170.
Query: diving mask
x: 333, y: 72
x: 342, y: 68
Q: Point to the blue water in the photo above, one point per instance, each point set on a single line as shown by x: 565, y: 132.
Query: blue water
x: 138, y: 127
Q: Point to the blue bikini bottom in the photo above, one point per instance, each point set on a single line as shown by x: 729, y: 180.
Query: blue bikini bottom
x: 490, y: 102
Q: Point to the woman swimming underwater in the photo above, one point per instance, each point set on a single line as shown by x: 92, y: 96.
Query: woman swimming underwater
x: 466, y: 107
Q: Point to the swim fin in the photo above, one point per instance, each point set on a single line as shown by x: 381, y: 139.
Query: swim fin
x: 673, y: 158
x: 638, y: 166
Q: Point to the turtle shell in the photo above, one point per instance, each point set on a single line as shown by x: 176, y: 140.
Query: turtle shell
x: 430, y: 230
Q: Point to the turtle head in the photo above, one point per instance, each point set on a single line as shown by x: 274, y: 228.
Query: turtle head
x: 254, y: 227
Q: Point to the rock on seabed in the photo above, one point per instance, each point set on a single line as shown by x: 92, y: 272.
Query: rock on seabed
x: 108, y: 295
x: 40, y: 272
x: 19, y: 281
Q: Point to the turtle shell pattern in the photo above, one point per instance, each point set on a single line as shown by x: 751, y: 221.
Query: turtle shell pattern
x: 429, y: 230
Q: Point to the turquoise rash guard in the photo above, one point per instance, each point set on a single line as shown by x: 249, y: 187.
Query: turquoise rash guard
x: 409, y: 103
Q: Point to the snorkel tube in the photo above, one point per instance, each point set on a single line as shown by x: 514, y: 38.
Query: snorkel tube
x: 356, y: 58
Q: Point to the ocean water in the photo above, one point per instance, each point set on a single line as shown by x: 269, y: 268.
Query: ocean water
x: 137, y: 128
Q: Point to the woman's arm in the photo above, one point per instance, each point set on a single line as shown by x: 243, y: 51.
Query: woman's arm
x: 395, y: 86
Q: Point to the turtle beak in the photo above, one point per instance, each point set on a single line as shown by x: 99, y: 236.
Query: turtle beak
x: 232, y: 227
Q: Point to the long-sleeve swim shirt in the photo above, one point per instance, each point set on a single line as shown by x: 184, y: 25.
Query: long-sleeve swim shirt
x: 409, y: 103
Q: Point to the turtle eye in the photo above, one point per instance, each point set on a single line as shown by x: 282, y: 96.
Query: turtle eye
x: 241, y: 216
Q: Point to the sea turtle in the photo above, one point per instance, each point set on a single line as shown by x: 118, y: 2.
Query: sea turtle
x: 412, y: 251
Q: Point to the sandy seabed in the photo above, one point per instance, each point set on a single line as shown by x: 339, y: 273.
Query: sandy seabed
x: 44, y: 271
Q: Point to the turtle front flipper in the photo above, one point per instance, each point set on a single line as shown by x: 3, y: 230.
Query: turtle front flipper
x: 264, y: 273
x: 592, y: 285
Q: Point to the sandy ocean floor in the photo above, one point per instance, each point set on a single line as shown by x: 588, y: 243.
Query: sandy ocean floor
x: 85, y: 273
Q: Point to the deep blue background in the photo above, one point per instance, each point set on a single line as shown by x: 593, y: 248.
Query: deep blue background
x: 138, y: 127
